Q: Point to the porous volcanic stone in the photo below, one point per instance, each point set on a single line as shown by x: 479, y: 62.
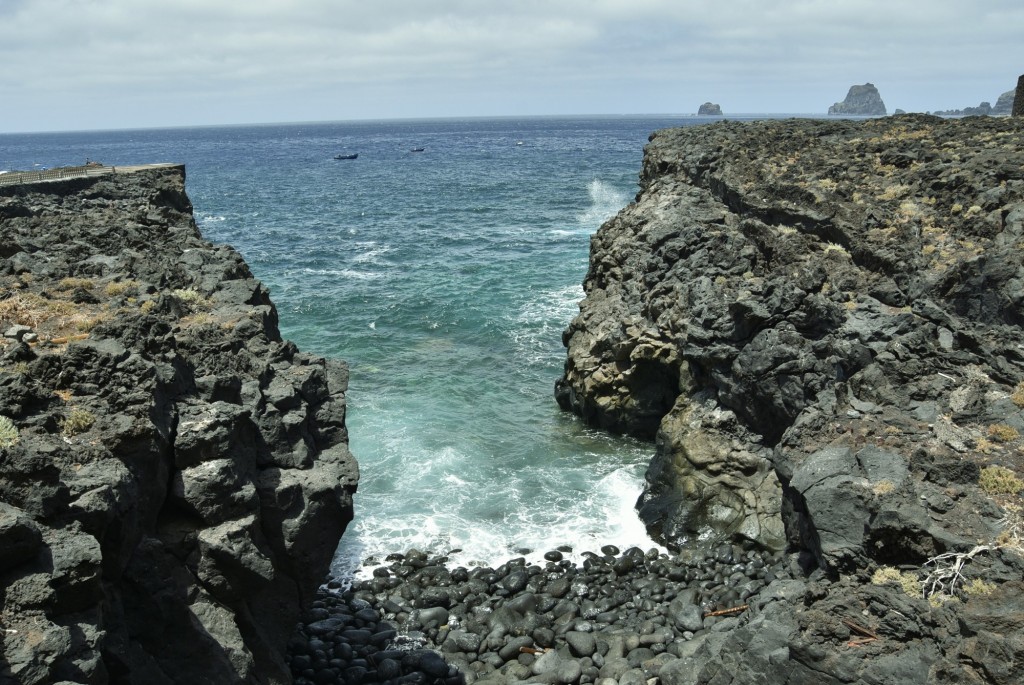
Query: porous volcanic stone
x: 182, y: 476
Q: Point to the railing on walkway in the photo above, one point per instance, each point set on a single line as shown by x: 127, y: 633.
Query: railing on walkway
x: 53, y: 174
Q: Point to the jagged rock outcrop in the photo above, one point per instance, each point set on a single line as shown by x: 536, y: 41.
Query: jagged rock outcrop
x: 1018, y: 100
x: 709, y: 109
x: 176, y: 476
x: 1004, y: 104
x: 809, y: 311
x: 860, y: 101
x: 819, y: 322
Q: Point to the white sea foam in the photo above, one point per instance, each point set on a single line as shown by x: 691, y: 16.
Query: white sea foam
x: 536, y: 328
x: 371, y: 252
x: 467, y: 542
x: 345, y: 273
x: 551, y: 305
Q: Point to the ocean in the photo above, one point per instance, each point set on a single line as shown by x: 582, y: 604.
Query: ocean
x: 443, y: 265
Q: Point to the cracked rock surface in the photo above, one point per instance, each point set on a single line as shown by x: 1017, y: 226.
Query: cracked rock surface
x: 178, y: 475
x: 819, y: 325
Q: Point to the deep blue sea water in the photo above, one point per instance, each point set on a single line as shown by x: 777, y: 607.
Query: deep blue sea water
x: 445, y: 279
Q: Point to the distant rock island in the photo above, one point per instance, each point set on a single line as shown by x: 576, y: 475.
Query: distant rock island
x: 1004, y: 105
x: 860, y: 101
x: 709, y: 109
x: 983, y: 109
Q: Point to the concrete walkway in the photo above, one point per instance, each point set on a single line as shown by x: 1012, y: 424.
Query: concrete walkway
x: 61, y: 173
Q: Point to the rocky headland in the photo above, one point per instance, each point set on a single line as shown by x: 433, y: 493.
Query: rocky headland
x: 819, y: 323
x: 174, y: 477
x: 862, y: 100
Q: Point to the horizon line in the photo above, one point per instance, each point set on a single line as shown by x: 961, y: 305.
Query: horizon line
x: 478, y: 117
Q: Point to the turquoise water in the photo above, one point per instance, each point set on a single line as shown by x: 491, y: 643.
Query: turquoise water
x: 445, y: 278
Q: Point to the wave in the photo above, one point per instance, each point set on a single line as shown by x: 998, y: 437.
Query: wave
x: 605, y: 202
x: 471, y: 533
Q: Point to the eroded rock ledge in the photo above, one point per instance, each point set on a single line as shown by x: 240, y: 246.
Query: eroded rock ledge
x: 174, y: 477
x: 819, y: 323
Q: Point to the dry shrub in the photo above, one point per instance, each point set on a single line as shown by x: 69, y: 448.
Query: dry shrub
x: 999, y: 480
x: 1017, y: 396
x: 119, y: 288
x: 887, y: 575
x: 1000, y: 432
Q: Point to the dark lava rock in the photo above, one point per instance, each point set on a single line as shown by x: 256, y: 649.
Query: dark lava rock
x: 709, y: 109
x: 818, y: 323
x: 793, y: 628
x: 181, y: 474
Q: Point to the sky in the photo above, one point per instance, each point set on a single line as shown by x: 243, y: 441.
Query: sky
x: 109, y: 64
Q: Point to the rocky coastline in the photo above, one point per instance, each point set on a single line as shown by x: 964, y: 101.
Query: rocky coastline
x: 174, y: 477
x: 821, y: 334
x: 816, y: 322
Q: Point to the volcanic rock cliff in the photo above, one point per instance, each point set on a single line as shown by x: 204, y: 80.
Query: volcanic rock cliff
x: 819, y: 323
x: 174, y: 477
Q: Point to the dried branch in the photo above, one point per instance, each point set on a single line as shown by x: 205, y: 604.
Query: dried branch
x: 860, y: 629
x: 726, y: 612
x: 946, y: 576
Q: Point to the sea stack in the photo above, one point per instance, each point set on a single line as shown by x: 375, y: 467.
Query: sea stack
x: 1018, y: 100
x: 860, y: 101
x: 709, y: 109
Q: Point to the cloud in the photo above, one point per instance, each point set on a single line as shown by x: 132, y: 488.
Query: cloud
x: 217, y: 61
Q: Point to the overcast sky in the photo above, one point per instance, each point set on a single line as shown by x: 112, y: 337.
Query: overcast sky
x: 91, y: 64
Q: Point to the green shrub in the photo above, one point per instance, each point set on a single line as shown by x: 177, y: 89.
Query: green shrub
x: 8, y: 433
x: 193, y: 299
x: 78, y: 421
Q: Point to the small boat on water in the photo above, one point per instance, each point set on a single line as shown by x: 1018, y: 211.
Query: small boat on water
x: 352, y: 156
x: 417, y: 149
